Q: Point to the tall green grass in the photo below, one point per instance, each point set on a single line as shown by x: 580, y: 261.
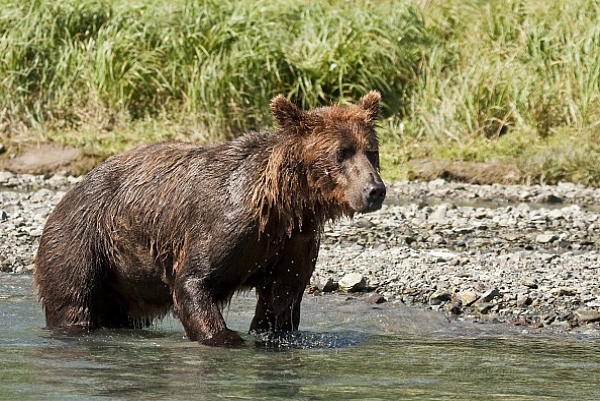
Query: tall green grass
x: 510, y: 64
x: 514, y: 81
x: 64, y: 62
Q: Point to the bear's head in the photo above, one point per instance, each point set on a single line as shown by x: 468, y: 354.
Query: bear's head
x: 339, y: 151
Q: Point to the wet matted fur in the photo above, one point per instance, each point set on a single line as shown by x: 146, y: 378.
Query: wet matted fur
x: 182, y: 227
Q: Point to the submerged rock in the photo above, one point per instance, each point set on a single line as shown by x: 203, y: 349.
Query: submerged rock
x: 375, y: 299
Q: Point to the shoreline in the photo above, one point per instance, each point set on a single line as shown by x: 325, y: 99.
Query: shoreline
x: 526, y: 256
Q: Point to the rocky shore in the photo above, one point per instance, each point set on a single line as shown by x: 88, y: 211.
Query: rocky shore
x: 525, y: 255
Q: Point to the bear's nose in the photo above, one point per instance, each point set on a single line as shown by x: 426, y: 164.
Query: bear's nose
x: 374, y: 193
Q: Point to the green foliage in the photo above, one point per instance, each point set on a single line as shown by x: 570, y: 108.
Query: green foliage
x: 513, y: 66
x: 506, y: 79
x: 515, y: 81
x: 221, y: 61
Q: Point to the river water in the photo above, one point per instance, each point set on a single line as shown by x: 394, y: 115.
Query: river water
x: 346, y: 350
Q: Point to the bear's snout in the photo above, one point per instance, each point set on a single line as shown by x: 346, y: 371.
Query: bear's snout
x: 373, y: 196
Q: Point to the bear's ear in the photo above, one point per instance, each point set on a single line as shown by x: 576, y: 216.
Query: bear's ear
x: 370, y: 103
x: 287, y: 114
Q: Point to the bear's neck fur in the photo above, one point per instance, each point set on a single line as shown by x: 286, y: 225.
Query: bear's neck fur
x: 291, y: 195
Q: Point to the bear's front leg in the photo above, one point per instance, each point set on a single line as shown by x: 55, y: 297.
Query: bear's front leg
x: 279, y: 296
x: 200, y: 314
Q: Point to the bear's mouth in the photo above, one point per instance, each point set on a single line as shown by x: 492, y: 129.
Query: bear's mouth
x: 371, y: 206
x: 365, y: 206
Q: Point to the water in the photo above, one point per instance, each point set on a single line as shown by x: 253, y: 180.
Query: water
x: 346, y: 350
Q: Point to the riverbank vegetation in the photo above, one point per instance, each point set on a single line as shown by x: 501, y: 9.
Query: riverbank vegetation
x: 482, y: 84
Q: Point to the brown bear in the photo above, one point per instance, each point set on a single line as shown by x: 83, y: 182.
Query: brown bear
x: 181, y: 227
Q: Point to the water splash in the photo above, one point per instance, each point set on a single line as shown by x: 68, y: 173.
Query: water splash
x: 308, y: 340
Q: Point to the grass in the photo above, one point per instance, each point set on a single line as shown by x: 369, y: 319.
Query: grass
x: 513, y: 82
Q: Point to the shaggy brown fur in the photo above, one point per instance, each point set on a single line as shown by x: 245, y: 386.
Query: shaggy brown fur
x: 182, y: 227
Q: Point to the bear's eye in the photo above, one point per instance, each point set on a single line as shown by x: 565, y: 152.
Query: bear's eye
x: 373, y: 157
x: 344, y: 154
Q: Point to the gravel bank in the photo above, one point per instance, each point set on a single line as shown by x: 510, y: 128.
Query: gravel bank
x: 525, y: 255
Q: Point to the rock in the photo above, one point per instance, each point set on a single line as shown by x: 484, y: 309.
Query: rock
x: 375, y: 299
x: 453, y: 308
x: 552, y: 199
x: 3, y: 215
x: 35, y: 231
x: 565, y: 244
x: 466, y: 298
x: 464, y: 230
x: 545, y: 238
x: 381, y: 247
x: 547, y: 257
x: 440, y: 213
x: 437, y: 183
x: 482, y: 307
x: 447, y: 206
x: 364, y: 223
x: 548, y: 318
x: 438, y: 239
x: 409, y: 239
x: 352, y: 282
x: 327, y: 285
x: 529, y: 282
x: 489, y: 295
x: 587, y: 316
x: 443, y: 256
x: 438, y: 297
x: 563, y: 291
x: 524, y: 300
